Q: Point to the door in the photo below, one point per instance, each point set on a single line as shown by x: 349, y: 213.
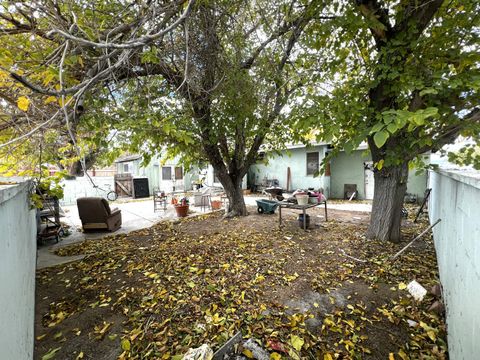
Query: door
x: 369, y: 180
x: 166, y: 183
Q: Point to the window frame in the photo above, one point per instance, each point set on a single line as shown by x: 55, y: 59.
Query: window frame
x: 308, y: 168
x: 180, y: 168
x: 170, y: 173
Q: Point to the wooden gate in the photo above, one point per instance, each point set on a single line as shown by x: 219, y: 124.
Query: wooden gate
x: 123, y: 184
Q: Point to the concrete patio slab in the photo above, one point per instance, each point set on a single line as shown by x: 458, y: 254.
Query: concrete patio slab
x: 136, y: 214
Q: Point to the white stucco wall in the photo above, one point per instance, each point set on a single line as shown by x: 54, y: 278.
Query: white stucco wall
x: 17, y: 272
x: 82, y: 187
x: 455, y: 199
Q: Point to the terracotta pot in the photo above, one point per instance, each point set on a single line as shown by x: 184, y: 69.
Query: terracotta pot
x: 216, y: 204
x: 182, y: 210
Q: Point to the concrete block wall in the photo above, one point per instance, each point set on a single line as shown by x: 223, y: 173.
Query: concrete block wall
x: 17, y: 272
x: 455, y: 199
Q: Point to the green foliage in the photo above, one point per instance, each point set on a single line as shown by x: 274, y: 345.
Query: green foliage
x: 409, y: 93
x: 468, y: 155
x: 47, y: 186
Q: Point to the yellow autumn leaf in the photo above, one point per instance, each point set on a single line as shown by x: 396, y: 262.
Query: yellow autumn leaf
x: 23, y: 103
x: 402, y: 286
x: 391, y: 356
x: 297, y: 342
x: 275, y: 356
x: 327, y: 356
x: 402, y: 354
x: 380, y: 164
x: 247, y: 353
x: 125, y: 344
x: 62, y: 102
x: 80, y: 356
x: 50, y: 99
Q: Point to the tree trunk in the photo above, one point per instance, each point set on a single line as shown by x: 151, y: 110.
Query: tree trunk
x: 76, y: 168
x: 236, y: 202
x: 389, y: 191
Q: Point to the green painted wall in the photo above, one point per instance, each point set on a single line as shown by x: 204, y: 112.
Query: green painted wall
x: 296, y: 159
x: 348, y: 169
x: 344, y: 169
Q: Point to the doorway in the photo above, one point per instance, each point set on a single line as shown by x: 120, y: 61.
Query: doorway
x: 369, y: 180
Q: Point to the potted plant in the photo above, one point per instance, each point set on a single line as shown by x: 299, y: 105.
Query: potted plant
x: 216, y: 204
x: 182, y: 207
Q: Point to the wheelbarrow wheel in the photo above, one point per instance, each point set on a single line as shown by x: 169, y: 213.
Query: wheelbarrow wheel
x: 260, y: 210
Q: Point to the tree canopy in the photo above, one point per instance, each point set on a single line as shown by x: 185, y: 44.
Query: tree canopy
x: 403, y: 76
x: 214, y: 80
x: 213, y: 88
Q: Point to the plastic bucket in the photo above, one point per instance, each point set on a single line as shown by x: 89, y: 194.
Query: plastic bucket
x: 313, y: 200
x: 302, y: 199
x: 300, y: 220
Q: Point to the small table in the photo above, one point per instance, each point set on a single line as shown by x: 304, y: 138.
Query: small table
x: 287, y: 205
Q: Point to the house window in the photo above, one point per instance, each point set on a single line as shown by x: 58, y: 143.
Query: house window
x: 178, y: 173
x: 312, y: 163
x: 126, y: 167
x: 166, y: 173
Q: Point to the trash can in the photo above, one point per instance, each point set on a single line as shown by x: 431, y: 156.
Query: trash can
x: 300, y: 220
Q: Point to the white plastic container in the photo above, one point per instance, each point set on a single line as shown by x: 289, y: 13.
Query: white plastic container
x: 302, y: 199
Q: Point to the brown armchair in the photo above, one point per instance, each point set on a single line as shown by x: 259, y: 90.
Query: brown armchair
x: 95, y: 214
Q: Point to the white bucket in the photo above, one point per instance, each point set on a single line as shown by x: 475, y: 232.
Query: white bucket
x: 302, y: 199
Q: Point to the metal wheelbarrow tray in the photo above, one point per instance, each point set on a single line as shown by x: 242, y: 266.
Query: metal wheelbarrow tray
x: 265, y: 206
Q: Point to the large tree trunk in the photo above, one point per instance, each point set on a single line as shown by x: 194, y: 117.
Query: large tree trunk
x: 236, y: 202
x: 389, y: 192
x: 232, y: 184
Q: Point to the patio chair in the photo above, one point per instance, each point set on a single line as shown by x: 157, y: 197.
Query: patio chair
x: 96, y: 214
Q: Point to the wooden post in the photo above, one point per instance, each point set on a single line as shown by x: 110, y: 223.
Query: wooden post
x: 289, y: 179
x: 280, y: 216
x: 304, y: 220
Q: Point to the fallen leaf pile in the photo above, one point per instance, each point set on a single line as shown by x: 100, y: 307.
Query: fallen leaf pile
x: 157, y: 292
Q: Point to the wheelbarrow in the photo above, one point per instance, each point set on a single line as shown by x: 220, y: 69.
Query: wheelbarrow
x: 265, y: 206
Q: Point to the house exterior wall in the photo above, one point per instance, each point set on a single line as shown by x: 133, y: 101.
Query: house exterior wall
x: 134, y: 167
x: 455, y: 199
x: 17, y: 272
x: 296, y: 159
x: 153, y: 171
x: 344, y: 169
x: 348, y: 169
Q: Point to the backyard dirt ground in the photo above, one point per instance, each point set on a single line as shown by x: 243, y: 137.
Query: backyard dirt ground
x: 156, y: 292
